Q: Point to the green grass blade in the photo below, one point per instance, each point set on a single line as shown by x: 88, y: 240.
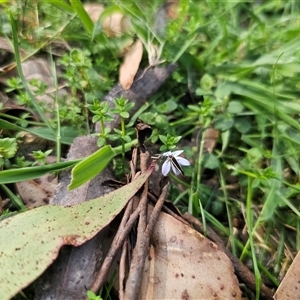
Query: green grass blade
x: 83, y: 16
x: 68, y: 134
x: 60, y: 4
x: 17, y: 202
x: 28, y: 173
x: 20, y: 71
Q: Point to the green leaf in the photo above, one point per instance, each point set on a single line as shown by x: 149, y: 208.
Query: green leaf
x: 124, y: 114
x: 60, y: 4
x: 167, y: 107
x: 235, y: 107
x: 161, y: 121
x: 28, y: 173
x: 31, y: 240
x: 148, y: 117
x: 206, y: 82
x: 242, y: 125
x: 89, y: 167
x: 68, y: 134
x: 210, y: 161
x: 20, y: 72
x: 83, y: 16
x: 223, y: 123
x: 17, y: 202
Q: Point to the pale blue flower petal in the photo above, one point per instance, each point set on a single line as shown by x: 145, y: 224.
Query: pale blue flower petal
x: 176, y: 153
x: 167, y: 154
x: 175, y: 170
x: 166, y: 167
x: 182, y: 161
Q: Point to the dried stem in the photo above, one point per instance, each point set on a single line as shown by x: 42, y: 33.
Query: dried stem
x: 141, y: 251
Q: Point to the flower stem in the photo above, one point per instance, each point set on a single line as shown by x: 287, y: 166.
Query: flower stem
x: 123, y: 144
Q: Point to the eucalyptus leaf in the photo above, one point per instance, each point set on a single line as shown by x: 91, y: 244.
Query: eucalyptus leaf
x: 31, y: 240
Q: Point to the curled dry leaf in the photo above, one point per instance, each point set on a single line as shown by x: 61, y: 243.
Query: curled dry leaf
x: 112, y: 25
x: 94, y: 10
x: 211, y: 139
x: 131, y: 64
x: 183, y: 264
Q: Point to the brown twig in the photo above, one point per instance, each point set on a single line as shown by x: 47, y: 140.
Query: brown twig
x: 122, y: 270
x: 141, y: 251
x: 119, y: 239
x: 126, y: 225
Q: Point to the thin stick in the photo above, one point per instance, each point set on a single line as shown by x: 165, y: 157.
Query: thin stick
x: 119, y: 239
x: 141, y: 251
x: 122, y: 270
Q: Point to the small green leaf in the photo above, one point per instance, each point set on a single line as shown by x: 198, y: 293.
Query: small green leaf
x: 242, y: 125
x: 161, y: 121
x: 167, y: 107
x: 210, y: 161
x: 124, y: 114
x: 235, y: 107
x: 148, y: 117
x: 223, y: 123
x: 206, y: 82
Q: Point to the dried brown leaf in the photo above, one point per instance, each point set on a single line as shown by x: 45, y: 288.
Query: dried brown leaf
x: 37, y: 192
x: 183, y: 264
x: 131, y: 64
x: 94, y: 10
x: 290, y: 285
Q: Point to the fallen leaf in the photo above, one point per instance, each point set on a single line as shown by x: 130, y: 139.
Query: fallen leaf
x: 113, y: 24
x: 183, y: 264
x: 94, y: 10
x: 37, y: 192
x: 211, y: 138
x: 290, y: 286
x: 131, y: 64
x: 31, y: 240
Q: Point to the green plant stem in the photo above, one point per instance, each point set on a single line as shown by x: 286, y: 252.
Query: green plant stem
x: 177, y: 180
x: 196, y: 178
x: 20, y: 72
x: 58, y: 130
x: 249, y: 218
x: 231, y: 237
x: 123, y: 147
x: 15, y: 200
x: 225, y: 231
x: 102, y: 125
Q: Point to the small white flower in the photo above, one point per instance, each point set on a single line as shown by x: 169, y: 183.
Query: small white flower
x: 174, y: 162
